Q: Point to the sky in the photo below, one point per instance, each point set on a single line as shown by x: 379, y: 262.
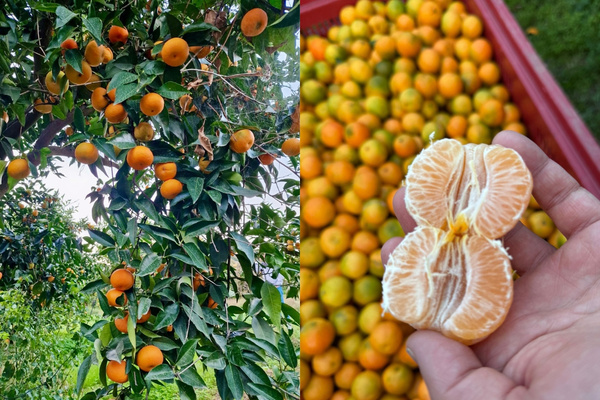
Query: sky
x: 78, y: 182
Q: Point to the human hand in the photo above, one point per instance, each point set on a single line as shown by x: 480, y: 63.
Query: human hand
x: 549, y: 345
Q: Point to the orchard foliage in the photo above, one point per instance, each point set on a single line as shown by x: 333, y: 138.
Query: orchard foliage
x: 196, y: 258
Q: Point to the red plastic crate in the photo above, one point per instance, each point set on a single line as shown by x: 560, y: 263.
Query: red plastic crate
x: 552, y: 122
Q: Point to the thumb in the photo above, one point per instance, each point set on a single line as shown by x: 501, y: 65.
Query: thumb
x: 452, y: 371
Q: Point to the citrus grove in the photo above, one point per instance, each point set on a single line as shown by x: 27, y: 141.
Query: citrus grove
x: 383, y: 84
x: 186, y: 115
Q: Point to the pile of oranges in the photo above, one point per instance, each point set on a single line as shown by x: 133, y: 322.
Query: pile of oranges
x: 390, y: 79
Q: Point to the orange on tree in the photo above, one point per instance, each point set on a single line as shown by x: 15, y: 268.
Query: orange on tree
x: 77, y: 77
x: 254, y: 22
x: 171, y: 188
x: 18, y: 168
x: 121, y: 323
x: 122, y: 279
x: 149, y: 357
x: 99, y: 100
x: 118, y: 35
x: 107, y: 55
x: 68, y: 44
x: 86, y: 153
x: 241, y: 141
x: 115, y: 113
x: 291, y: 147
x: 140, y: 157
x: 143, y: 132
x: 115, y: 371
x: 44, y: 106
x: 267, y: 158
x: 112, y: 94
x: 165, y: 171
x: 113, y: 294
x: 94, y: 54
x: 54, y: 86
x: 144, y: 317
x: 152, y: 104
x: 175, y: 51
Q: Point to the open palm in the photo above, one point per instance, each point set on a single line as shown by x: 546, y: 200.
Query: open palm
x: 549, y: 345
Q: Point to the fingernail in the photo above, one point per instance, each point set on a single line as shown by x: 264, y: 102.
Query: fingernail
x: 411, y: 354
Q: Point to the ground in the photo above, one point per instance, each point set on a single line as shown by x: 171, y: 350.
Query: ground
x: 568, y: 41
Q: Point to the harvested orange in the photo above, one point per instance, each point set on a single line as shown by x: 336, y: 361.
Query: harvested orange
x: 458, y: 219
x: 316, y: 336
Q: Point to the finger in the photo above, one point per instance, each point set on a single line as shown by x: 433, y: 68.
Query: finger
x: 526, y: 248
x: 388, y: 247
x: 406, y: 221
x: 570, y: 206
x: 452, y: 371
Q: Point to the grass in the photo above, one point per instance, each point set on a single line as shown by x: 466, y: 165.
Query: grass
x: 568, y: 43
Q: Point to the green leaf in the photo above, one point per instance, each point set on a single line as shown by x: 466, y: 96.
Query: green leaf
x: 92, y: 286
x: 126, y: 141
x: 144, y: 204
x: 243, y: 245
x: 186, y: 392
x: 143, y: 306
x: 160, y: 373
x: 82, y: 373
x: 234, y: 381
x: 288, y: 19
x: 286, y: 348
x: 166, y: 317
x: 195, y: 186
x: 154, y: 68
x: 165, y: 344
x: 79, y: 120
x: 271, y: 302
x: 197, y: 317
x: 255, y: 373
x: 187, y: 353
x: 265, y: 391
x: 131, y: 332
x: 94, y: 27
x: 191, y: 377
x: 199, y: 26
x: 172, y: 90
x: 132, y: 230
x: 196, y: 255
x: 196, y: 227
x: 148, y: 265
x: 121, y: 78
x: 263, y: 330
x: 124, y: 92
x: 64, y: 16
x: 74, y: 58
x: 101, y: 238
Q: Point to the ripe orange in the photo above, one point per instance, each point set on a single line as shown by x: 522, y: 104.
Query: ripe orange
x: 171, y: 188
x: 112, y: 94
x: 318, y: 388
x: 144, y: 317
x: 405, y: 145
x: 291, y: 147
x: 121, y: 279
x: 397, y: 379
x: 143, y: 132
x: 267, y: 159
x: 115, y: 113
x: 450, y: 85
x: 241, y: 141
x: 94, y: 53
x: 165, y: 171
x: 115, y: 371
x: 54, y: 86
x: 99, y: 100
x: 200, y: 51
x: 429, y: 14
x: 140, y: 157
x: 149, y: 357
x: 68, y: 44
x: 328, y: 362
x: 429, y: 61
x: 175, y: 51
x: 386, y: 337
x: 44, y: 106
x: 316, y: 336
x: 367, y: 386
x: 121, y: 323
x: 309, y: 284
x: 318, y: 212
x: 18, y: 169
x: 334, y: 241
x: 152, y: 104
x: 407, y: 44
x: 76, y: 77
x: 112, y: 295
x: 254, y: 22
x: 86, y: 153
x: 117, y: 34
x: 346, y: 374
x: 107, y: 55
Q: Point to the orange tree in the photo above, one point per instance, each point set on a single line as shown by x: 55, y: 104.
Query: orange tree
x: 183, y: 110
